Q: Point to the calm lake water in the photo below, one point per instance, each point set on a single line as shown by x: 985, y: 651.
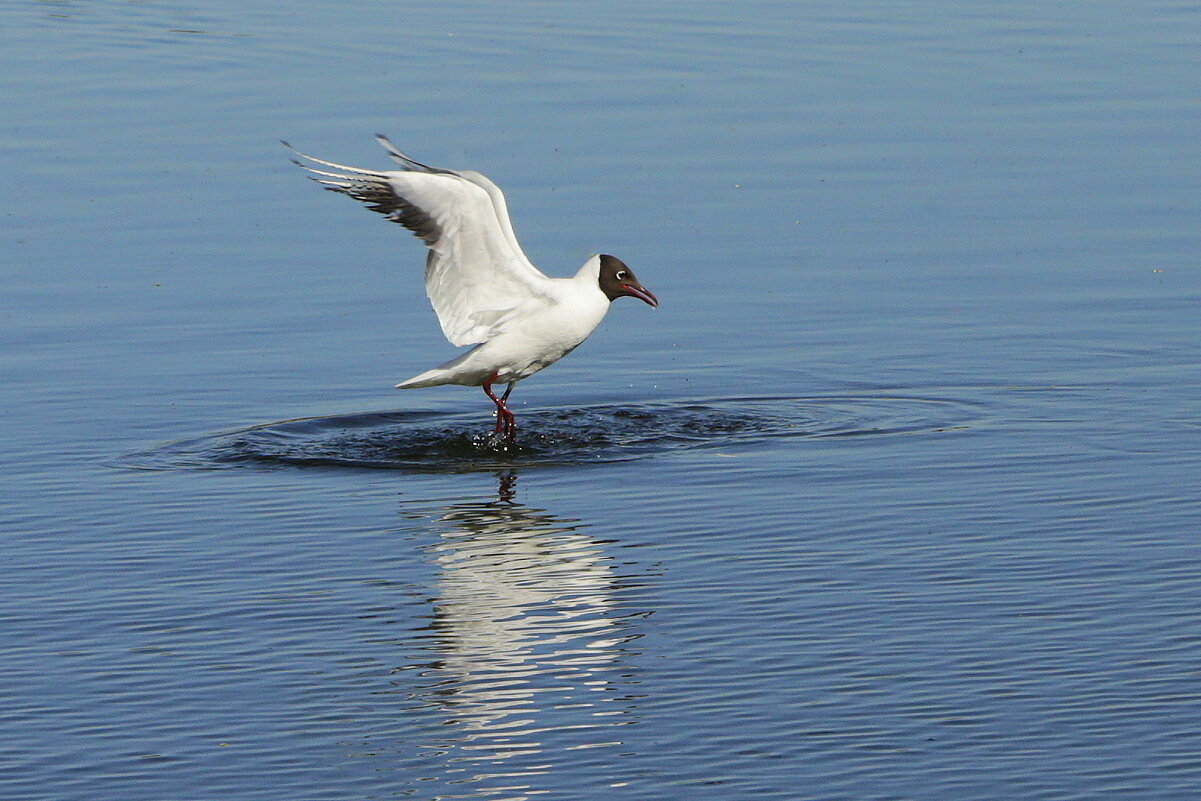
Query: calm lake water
x: 895, y: 497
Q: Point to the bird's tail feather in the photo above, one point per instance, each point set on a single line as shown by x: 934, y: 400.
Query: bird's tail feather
x: 455, y: 371
x: 430, y: 378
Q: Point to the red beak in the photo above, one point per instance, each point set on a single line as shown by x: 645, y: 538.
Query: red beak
x: 643, y: 294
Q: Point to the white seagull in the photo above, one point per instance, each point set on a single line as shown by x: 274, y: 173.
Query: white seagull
x: 484, y: 290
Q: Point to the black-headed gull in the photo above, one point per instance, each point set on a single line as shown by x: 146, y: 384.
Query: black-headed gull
x: 484, y: 290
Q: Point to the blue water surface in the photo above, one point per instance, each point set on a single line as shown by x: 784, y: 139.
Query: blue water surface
x: 894, y: 497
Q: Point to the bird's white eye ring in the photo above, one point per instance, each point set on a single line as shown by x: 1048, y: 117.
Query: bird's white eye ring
x: 621, y: 275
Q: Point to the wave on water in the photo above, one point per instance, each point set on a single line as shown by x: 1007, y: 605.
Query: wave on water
x: 431, y: 441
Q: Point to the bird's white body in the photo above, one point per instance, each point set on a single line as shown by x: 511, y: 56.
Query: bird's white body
x: 539, y: 333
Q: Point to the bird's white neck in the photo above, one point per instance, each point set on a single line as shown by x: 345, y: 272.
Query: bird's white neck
x: 590, y: 271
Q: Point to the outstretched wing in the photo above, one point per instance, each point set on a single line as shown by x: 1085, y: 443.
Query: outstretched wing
x: 475, y: 274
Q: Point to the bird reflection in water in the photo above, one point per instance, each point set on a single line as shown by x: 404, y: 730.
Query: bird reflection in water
x: 531, y: 642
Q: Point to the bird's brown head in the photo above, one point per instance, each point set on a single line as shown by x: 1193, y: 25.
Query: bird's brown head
x: 617, y: 280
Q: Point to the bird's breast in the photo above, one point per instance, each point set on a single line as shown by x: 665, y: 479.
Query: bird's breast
x: 542, y: 339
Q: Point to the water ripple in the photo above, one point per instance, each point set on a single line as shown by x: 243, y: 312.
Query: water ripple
x: 432, y: 441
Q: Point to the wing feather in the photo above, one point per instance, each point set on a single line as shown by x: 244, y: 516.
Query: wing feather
x: 476, y: 274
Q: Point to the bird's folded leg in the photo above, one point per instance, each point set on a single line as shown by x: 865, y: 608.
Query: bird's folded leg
x: 506, y: 421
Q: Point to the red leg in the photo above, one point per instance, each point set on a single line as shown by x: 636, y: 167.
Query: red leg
x: 504, y: 399
x: 506, y: 421
x: 501, y: 419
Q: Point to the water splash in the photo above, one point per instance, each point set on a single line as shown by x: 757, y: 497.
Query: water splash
x: 428, y: 441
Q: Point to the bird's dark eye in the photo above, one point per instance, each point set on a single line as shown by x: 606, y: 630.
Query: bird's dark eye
x: 621, y: 275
